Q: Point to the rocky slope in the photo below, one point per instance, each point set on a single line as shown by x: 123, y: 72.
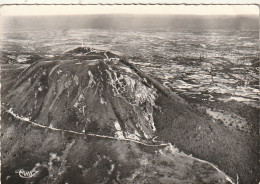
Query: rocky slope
x: 87, y: 117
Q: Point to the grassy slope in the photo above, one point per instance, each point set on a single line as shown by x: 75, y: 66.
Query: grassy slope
x: 90, y: 161
x: 193, y: 132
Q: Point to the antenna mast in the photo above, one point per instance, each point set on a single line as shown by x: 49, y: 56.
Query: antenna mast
x: 82, y: 44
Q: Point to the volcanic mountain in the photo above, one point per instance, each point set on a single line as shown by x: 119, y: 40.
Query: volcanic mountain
x: 87, y: 116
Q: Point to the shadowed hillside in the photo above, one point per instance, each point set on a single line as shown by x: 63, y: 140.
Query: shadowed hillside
x: 234, y: 151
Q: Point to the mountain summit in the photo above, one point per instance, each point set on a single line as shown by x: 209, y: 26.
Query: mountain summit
x: 86, y: 116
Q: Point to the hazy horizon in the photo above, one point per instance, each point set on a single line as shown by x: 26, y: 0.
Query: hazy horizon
x: 131, y: 21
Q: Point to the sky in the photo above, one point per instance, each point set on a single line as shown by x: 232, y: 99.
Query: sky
x: 40, y: 10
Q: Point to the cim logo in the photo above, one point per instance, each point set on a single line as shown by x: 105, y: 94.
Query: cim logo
x: 27, y: 174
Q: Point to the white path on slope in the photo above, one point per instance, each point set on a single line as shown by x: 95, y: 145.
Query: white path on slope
x: 78, y: 133
x: 206, y: 162
x: 106, y: 55
x: 108, y: 58
x: 115, y: 138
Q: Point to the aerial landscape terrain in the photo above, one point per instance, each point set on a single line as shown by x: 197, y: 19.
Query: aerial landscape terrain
x: 130, y: 99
